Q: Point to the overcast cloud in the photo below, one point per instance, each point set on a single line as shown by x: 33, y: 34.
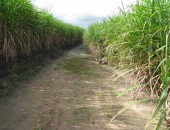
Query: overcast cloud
x: 81, y: 12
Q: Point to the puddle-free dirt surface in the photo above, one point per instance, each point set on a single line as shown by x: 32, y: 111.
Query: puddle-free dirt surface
x: 73, y: 93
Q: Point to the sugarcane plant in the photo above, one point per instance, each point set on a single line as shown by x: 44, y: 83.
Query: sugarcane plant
x: 137, y: 38
x: 25, y: 28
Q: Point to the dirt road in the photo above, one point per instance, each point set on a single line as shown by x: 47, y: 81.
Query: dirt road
x: 72, y: 93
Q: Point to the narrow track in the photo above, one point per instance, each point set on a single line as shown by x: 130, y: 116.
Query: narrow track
x: 72, y: 93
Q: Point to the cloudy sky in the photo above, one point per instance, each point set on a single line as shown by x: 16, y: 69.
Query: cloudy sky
x: 81, y: 12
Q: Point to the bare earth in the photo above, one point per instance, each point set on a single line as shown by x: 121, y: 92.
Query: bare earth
x: 73, y: 93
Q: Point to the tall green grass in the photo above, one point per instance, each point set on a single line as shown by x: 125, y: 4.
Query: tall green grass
x: 24, y: 29
x: 138, y: 39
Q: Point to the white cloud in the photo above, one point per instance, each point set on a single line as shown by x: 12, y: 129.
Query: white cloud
x: 72, y: 10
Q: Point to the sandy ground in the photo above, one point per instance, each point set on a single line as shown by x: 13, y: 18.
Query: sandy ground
x: 73, y: 93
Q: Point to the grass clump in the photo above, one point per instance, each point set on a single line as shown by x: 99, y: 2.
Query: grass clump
x: 79, y: 66
x: 82, y: 113
x: 138, y: 38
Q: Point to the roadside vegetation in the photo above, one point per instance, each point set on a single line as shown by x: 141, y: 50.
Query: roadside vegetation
x: 138, y: 39
x: 25, y: 29
x: 28, y: 34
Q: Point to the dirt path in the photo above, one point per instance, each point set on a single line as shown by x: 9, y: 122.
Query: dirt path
x: 72, y: 93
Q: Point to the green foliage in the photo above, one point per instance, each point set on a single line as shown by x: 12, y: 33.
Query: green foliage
x: 137, y: 38
x: 24, y: 28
